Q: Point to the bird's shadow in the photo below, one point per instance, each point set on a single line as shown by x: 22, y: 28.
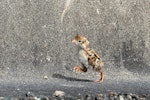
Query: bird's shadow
x: 59, y: 76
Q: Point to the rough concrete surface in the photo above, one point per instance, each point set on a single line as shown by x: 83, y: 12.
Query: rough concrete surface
x: 35, y: 40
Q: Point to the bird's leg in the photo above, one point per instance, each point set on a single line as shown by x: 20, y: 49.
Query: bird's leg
x: 79, y: 69
x: 101, y: 77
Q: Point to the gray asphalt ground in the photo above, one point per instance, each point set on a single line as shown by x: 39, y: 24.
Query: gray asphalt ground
x: 73, y: 85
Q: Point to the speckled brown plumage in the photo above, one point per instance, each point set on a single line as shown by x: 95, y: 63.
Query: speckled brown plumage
x: 88, y: 57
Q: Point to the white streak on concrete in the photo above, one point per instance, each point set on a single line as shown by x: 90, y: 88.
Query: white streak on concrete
x: 66, y: 8
x: 97, y: 10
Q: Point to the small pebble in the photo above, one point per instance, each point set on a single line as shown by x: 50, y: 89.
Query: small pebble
x: 121, y: 97
x: 59, y: 93
x: 45, y: 77
x: 129, y: 97
x: 100, y: 95
x: 142, y: 98
x: 30, y: 94
x: 112, y: 94
x: 48, y: 58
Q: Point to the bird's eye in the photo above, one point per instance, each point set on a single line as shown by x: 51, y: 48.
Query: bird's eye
x: 79, y: 41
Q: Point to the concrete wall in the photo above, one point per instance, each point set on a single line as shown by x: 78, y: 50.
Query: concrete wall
x: 35, y: 35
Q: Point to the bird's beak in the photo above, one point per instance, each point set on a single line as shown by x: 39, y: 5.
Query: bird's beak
x: 73, y: 41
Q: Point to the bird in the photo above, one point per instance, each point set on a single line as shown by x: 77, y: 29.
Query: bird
x: 88, y: 57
